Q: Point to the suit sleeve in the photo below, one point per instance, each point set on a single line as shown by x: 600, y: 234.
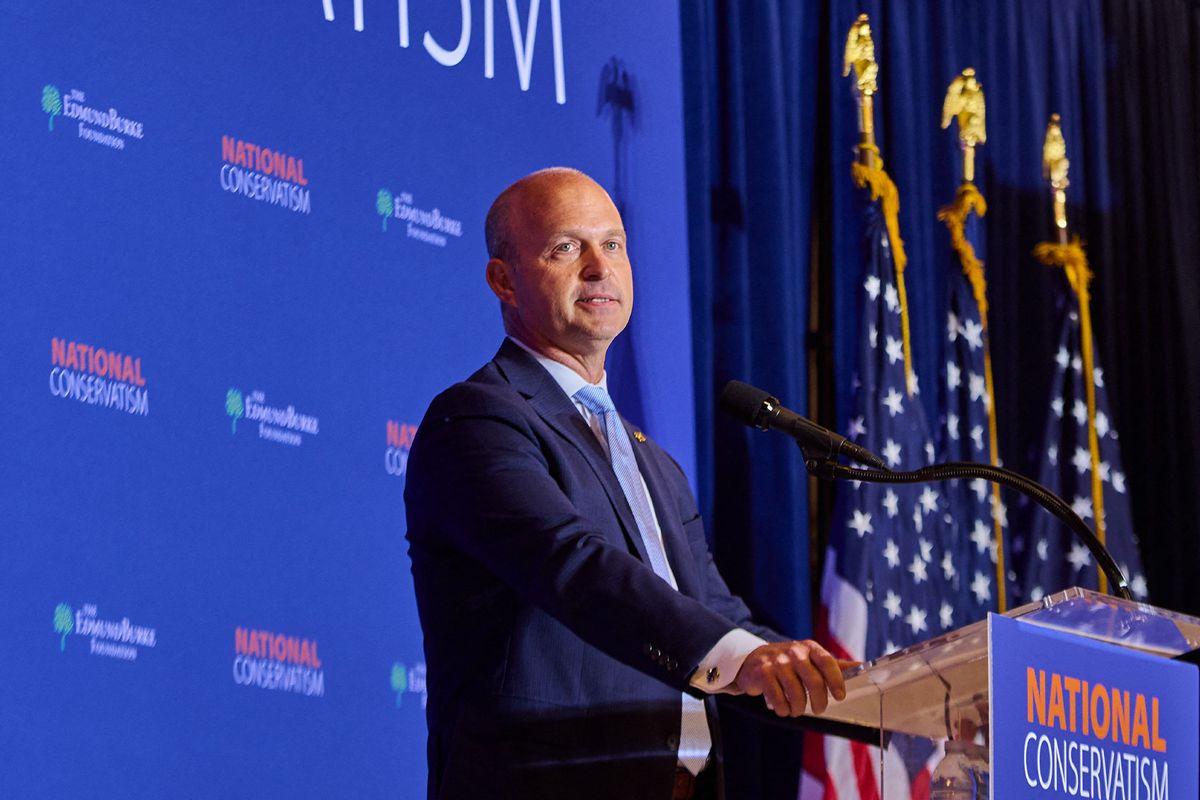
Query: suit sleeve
x: 479, y: 482
x: 733, y: 607
x: 717, y: 594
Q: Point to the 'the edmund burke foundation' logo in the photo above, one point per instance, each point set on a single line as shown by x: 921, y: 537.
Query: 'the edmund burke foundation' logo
x: 103, y: 126
x: 283, y: 425
x: 277, y: 662
x: 118, y: 639
x: 409, y: 680
x: 430, y: 226
x: 98, y: 376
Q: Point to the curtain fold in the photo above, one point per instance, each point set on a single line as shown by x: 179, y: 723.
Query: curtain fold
x: 751, y: 97
x: 1147, y: 289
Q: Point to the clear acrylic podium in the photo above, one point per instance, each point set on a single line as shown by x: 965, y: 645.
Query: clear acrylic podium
x: 939, y: 689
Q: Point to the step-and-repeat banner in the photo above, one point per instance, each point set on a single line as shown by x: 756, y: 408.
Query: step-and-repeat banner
x: 241, y: 248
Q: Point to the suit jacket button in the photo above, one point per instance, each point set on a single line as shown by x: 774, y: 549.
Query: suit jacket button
x: 656, y: 654
x: 672, y: 664
x: 647, y: 649
x: 673, y: 742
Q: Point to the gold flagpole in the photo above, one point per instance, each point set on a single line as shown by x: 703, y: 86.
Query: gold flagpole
x: 860, y: 56
x: 965, y: 102
x: 1071, y: 257
x: 868, y: 170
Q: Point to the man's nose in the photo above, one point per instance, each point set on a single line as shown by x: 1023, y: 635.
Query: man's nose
x: 595, y: 266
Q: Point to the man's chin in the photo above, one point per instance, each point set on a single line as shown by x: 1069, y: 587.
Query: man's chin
x: 604, y: 335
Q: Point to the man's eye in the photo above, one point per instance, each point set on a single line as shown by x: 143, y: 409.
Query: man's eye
x: 566, y: 247
x: 612, y: 245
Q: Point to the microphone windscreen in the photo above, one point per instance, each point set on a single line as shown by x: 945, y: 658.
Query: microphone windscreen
x: 742, y: 401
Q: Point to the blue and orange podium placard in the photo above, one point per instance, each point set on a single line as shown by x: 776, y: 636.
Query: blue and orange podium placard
x: 1073, y: 717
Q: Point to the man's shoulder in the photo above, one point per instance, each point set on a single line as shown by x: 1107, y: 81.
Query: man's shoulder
x: 485, y: 391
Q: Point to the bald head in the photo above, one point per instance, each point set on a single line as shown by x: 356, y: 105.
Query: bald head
x: 559, y: 266
x: 497, y: 228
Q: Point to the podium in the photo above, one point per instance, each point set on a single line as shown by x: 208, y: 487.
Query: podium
x: 1078, y: 695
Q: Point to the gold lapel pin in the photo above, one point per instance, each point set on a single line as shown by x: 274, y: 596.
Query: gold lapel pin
x: 641, y: 437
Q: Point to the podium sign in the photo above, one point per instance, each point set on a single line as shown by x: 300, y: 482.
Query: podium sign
x: 1074, y: 717
x: 1078, y: 695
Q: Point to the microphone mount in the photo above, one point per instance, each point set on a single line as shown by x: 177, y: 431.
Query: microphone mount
x: 962, y: 470
x: 822, y: 448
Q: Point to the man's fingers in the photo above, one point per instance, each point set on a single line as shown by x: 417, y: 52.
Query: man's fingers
x: 830, y: 670
x: 775, y: 695
x: 793, y: 676
x: 814, y: 682
x: 796, y: 690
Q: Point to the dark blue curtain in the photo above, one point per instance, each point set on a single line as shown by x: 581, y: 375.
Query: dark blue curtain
x: 751, y: 103
x: 1147, y: 292
x: 774, y: 248
x: 751, y: 81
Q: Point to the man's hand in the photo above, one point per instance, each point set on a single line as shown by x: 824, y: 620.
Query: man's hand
x: 791, y: 675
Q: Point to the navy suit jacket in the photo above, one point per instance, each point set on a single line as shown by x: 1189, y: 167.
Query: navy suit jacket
x: 555, y: 655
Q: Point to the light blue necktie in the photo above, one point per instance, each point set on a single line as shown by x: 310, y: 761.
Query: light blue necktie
x: 620, y: 453
x: 695, y: 742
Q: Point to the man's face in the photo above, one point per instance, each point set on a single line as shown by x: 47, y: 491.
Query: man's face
x: 568, y: 283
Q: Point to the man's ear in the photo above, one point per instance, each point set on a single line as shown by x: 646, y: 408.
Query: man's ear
x: 500, y: 278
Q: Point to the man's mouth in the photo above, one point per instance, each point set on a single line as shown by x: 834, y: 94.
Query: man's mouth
x: 596, y: 301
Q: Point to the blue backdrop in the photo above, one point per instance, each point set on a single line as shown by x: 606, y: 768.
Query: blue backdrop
x: 240, y: 249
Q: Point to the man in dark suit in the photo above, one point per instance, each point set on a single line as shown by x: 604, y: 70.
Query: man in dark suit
x: 572, y: 614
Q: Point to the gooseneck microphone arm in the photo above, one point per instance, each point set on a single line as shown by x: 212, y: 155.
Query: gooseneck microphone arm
x: 822, y: 448
x: 962, y: 470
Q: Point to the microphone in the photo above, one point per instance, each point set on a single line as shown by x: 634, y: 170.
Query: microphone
x: 758, y: 409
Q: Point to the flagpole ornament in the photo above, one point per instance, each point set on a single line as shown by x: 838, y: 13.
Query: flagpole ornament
x: 868, y: 170
x: 1071, y: 257
x: 860, y: 57
x: 965, y: 102
x: 1054, y: 168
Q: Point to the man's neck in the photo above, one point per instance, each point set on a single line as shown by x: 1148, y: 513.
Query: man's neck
x: 590, y: 366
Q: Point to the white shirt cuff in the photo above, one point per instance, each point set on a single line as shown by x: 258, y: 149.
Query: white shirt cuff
x: 721, y: 665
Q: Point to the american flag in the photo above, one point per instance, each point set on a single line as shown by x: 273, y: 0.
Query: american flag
x: 965, y: 428
x: 1052, y: 557
x: 889, y: 568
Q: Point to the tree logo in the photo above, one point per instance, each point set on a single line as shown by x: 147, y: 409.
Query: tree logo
x: 385, y: 206
x: 399, y: 682
x: 51, y: 102
x: 64, y: 623
x: 234, y: 406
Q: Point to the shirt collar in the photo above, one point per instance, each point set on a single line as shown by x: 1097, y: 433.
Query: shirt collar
x: 567, y: 379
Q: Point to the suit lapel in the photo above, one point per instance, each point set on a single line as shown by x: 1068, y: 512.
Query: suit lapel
x: 550, y: 403
x: 675, y: 542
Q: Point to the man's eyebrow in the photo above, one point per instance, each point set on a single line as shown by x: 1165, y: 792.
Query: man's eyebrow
x: 575, y: 233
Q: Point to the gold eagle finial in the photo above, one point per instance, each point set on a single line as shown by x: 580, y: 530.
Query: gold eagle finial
x: 1054, y: 167
x: 1054, y: 154
x: 965, y: 102
x: 860, y: 56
